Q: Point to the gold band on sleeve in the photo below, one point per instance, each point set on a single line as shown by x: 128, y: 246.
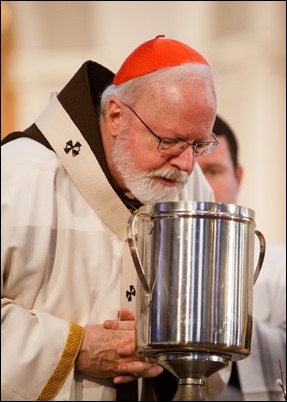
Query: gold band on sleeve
x: 65, y: 364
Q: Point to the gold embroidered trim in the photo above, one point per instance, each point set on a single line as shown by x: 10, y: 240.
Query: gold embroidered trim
x: 65, y: 364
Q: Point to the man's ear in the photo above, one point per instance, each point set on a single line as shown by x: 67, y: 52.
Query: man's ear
x: 113, y: 115
x: 239, y: 174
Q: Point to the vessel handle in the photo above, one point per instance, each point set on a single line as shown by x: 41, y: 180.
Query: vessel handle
x: 261, y: 255
x: 134, y: 252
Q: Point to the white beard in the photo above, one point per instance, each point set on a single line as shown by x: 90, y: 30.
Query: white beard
x: 144, y: 185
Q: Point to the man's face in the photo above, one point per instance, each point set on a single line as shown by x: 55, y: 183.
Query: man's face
x: 220, y: 173
x: 148, y: 174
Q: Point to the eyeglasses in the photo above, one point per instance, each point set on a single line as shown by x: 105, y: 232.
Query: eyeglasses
x: 171, y: 146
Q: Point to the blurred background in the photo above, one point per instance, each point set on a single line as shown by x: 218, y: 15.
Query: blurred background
x: 43, y: 44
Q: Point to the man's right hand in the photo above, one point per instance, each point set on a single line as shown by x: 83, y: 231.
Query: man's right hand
x: 110, y: 352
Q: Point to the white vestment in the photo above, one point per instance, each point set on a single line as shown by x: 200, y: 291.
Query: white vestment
x: 59, y: 264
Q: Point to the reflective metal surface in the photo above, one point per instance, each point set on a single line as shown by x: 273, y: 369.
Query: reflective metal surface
x: 195, y: 263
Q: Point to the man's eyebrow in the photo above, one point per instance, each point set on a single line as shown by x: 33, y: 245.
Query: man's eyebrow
x: 214, y: 165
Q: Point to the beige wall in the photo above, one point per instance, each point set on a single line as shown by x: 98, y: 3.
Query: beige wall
x: 244, y: 41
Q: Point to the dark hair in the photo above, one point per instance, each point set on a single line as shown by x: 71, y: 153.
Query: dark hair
x: 221, y: 128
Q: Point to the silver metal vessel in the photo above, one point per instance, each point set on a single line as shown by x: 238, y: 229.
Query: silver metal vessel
x: 195, y: 264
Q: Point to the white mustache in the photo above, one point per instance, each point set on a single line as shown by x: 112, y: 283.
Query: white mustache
x: 175, y: 175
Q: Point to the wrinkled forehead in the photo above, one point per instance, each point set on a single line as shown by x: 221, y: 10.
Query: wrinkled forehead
x: 179, y: 94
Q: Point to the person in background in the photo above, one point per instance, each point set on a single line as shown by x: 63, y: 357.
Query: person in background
x: 105, y: 145
x: 254, y: 378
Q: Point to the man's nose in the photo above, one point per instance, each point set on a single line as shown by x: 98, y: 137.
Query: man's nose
x: 184, y: 161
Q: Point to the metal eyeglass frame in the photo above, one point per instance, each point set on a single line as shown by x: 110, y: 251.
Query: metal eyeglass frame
x: 171, y: 146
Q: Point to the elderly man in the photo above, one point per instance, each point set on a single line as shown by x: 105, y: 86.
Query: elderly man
x: 105, y: 145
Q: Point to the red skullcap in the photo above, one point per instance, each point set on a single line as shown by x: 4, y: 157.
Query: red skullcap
x: 155, y: 54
